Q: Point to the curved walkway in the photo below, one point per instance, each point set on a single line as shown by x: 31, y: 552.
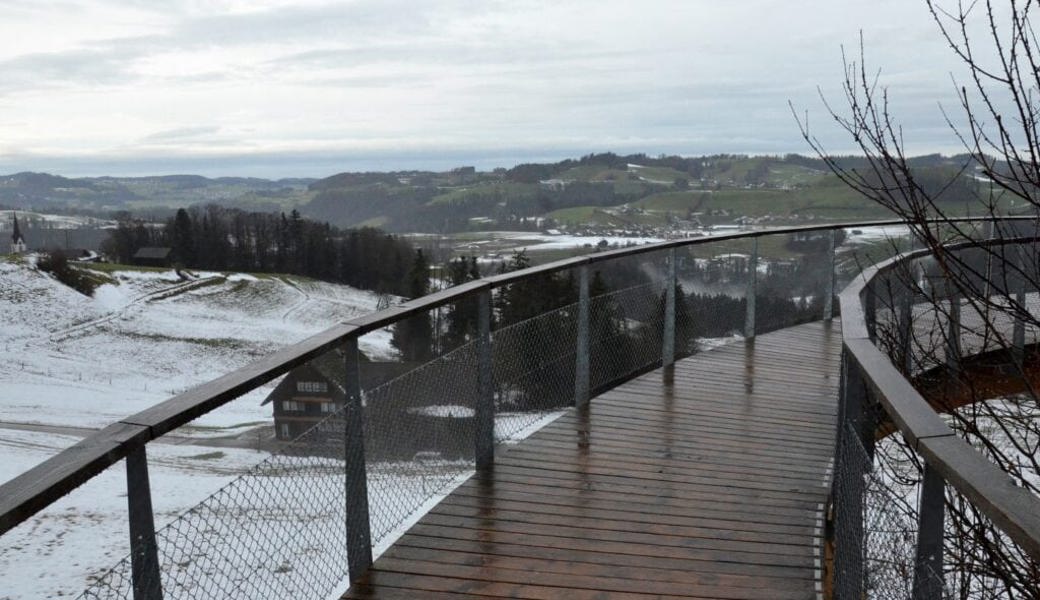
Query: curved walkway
x: 705, y: 483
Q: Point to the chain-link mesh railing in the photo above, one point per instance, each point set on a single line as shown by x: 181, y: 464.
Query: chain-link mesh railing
x: 278, y: 530
x: 274, y: 532
x: 533, y: 364
x: 875, y: 513
x: 958, y: 330
x: 419, y: 437
x: 625, y: 332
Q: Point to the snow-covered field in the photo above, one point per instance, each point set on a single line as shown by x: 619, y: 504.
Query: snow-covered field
x: 77, y: 363
x: 69, y: 363
x: 57, y: 551
x: 66, y: 359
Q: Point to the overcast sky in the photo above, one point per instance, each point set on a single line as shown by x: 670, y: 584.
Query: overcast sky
x: 279, y: 88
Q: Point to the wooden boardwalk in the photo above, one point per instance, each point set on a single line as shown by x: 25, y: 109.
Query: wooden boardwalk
x: 706, y: 484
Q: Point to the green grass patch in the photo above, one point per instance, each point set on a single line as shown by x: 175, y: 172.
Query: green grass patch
x: 373, y: 222
x: 781, y: 174
x: 98, y: 278
x: 677, y: 202
x: 664, y: 175
x: 830, y: 201
x: 113, y: 267
x: 207, y: 456
x: 494, y: 193
x: 581, y: 215
x: 613, y: 217
x: 207, y: 342
x: 593, y: 173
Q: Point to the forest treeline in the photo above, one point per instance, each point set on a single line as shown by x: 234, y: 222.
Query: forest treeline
x: 225, y: 239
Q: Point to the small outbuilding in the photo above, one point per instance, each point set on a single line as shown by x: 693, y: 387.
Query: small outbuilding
x: 152, y: 256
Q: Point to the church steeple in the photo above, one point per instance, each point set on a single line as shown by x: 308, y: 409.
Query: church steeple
x: 17, y: 240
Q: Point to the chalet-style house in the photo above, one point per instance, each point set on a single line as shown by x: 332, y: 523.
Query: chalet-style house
x: 307, y: 395
x: 397, y: 426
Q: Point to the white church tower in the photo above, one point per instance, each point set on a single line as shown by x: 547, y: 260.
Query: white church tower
x: 17, y: 240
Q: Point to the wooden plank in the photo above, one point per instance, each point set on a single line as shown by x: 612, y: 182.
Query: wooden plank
x: 602, y: 555
x: 706, y: 485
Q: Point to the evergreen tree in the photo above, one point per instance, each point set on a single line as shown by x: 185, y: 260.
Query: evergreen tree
x: 536, y: 311
x: 462, y: 316
x: 413, y: 336
x: 182, y: 242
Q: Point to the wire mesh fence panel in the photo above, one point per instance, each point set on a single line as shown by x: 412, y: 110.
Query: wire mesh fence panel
x: 625, y: 332
x: 533, y: 362
x: 859, y: 248
x: 793, y: 277
x: 891, y: 513
x: 875, y: 515
x: 419, y: 436
x: 713, y: 278
x: 275, y: 531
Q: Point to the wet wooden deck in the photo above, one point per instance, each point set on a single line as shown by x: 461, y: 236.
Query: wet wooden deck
x: 706, y: 484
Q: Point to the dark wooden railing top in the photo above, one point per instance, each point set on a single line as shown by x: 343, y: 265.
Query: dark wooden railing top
x: 37, y: 488
x: 1014, y: 510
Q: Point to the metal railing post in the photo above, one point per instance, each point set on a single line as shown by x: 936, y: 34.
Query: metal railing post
x: 752, y: 291
x: 905, y: 323
x: 953, y: 331
x: 668, y: 339
x: 359, y: 531
x: 832, y: 278
x: 928, y: 567
x: 870, y: 310
x: 1018, y: 333
x: 485, y: 405
x: 581, y: 364
x: 144, y: 557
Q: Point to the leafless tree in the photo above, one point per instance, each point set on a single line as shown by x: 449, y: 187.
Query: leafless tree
x: 988, y: 286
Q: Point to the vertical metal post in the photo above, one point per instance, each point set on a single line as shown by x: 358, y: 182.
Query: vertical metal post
x: 581, y: 365
x: 928, y: 567
x: 848, y: 488
x: 752, y: 291
x: 832, y: 278
x: 485, y: 406
x: 905, y: 322
x: 953, y: 330
x: 1018, y: 334
x: 144, y: 557
x: 668, y: 339
x: 359, y: 531
x: 870, y: 309
x: 928, y: 570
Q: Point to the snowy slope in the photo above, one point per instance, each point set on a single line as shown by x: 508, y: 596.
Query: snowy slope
x: 66, y: 359
x: 80, y: 536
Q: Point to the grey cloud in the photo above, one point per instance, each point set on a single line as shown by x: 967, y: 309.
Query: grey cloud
x: 182, y: 133
x: 73, y: 68
x: 354, y: 21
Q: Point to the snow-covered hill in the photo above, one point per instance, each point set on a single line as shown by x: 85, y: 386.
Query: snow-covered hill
x: 70, y: 364
x: 66, y: 359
